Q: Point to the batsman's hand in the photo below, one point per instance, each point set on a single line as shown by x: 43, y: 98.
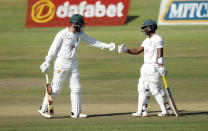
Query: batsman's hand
x: 45, y: 67
x: 162, y: 71
x: 112, y: 46
x: 121, y: 48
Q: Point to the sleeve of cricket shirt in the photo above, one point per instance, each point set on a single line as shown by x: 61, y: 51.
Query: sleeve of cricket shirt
x: 159, y: 42
x: 93, y: 42
x: 54, y: 46
x: 143, y: 43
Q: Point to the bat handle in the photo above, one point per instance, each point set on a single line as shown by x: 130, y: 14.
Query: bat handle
x: 47, y: 81
x: 165, y: 82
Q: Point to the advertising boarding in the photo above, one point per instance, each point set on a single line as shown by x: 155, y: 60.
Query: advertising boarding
x: 183, y: 12
x: 56, y: 13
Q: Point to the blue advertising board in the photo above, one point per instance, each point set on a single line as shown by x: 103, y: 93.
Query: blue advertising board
x: 182, y: 12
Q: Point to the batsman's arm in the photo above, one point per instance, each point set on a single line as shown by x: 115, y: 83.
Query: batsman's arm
x: 53, y: 50
x: 160, y: 52
x: 94, y: 42
x: 136, y: 51
x: 160, y: 56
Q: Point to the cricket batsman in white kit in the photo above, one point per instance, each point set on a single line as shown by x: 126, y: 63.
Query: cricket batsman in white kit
x: 151, y: 71
x: 64, y: 48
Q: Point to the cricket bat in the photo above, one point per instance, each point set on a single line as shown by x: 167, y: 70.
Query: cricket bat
x: 170, y: 97
x: 49, y: 94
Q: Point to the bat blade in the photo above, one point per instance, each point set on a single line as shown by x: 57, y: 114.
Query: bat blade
x: 49, y: 94
x: 172, y: 102
x: 170, y: 98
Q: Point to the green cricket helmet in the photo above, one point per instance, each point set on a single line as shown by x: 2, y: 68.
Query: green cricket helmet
x: 150, y: 23
x: 77, y: 19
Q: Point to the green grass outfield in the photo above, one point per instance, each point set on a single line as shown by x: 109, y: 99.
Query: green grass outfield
x: 109, y: 79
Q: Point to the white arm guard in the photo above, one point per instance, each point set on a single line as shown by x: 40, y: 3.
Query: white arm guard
x: 160, y: 60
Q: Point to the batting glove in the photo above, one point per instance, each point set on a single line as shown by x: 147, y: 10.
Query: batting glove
x: 162, y: 71
x: 45, y: 67
x: 112, y: 46
x: 121, y: 48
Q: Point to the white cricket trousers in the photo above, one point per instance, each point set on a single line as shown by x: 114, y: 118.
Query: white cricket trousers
x: 66, y: 68
x: 149, y: 80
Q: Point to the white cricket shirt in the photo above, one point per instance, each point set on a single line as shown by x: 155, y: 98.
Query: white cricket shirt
x: 66, y: 43
x: 150, y: 48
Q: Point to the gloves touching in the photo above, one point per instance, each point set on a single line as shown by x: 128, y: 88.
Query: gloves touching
x: 122, y: 48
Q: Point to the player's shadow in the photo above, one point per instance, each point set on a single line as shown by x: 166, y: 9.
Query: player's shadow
x: 111, y: 114
x: 117, y: 114
x: 183, y: 113
x: 97, y: 115
x: 191, y: 113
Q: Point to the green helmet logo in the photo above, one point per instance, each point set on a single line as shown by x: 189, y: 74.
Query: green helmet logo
x: 77, y: 19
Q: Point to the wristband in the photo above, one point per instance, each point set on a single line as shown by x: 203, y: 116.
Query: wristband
x: 160, y: 60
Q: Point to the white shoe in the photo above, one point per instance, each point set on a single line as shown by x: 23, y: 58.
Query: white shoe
x: 144, y: 113
x: 45, y: 114
x: 78, y: 116
x: 162, y: 114
x: 82, y: 115
x: 137, y: 114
